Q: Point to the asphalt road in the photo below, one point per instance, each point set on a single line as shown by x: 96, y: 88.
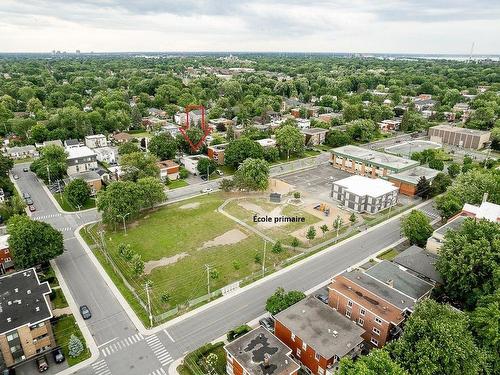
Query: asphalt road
x: 123, y: 350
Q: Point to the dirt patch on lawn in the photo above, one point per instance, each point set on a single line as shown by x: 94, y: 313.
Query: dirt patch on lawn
x: 276, y: 212
x: 152, y: 264
x: 229, y: 238
x: 190, y: 206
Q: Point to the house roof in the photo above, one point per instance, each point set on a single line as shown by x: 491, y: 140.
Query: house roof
x: 79, y: 152
x: 23, y: 300
x: 365, y: 186
x: 16, y: 149
x: 453, y: 224
x: 167, y: 164
x: 56, y: 142
x: 4, y: 244
x: 86, y: 176
x: 487, y: 210
x: 313, y: 131
x: 389, y: 273
x: 420, y: 261
x: 252, y: 349
x: 318, y: 325
x: 71, y: 142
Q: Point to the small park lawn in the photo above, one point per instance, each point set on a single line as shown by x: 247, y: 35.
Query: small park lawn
x: 67, y: 206
x: 63, y: 328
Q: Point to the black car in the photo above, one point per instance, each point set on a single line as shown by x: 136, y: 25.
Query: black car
x: 58, y: 355
x: 25, y: 169
x: 204, y: 177
x: 85, y: 312
x: 9, y: 371
x: 267, y: 323
x: 322, y: 298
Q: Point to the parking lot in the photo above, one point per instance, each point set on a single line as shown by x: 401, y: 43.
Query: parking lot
x: 315, y: 182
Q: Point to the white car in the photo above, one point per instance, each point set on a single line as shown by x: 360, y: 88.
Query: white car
x: 207, y: 190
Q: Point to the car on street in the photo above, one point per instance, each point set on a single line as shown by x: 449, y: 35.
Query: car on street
x: 41, y: 364
x: 32, y: 208
x: 29, y: 201
x: 207, y: 190
x: 58, y: 355
x: 204, y: 177
x: 25, y: 169
x: 85, y: 312
x: 267, y: 323
x: 322, y: 298
x: 16, y: 177
x: 26, y: 195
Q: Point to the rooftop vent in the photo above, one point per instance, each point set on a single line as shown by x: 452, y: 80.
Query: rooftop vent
x: 267, y: 360
x: 28, y: 291
x: 390, y: 282
x: 9, y: 320
x: 16, y: 290
x: 335, y: 333
x: 37, y: 308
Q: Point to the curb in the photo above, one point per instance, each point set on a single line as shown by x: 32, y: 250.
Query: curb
x: 81, y: 324
x: 56, y: 203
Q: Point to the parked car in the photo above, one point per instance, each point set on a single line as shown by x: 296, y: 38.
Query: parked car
x: 322, y: 298
x: 25, y: 169
x: 219, y: 172
x: 85, y: 312
x: 58, y: 355
x: 267, y: 323
x: 9, y: 371
x: 29, y: 201
x: 207, y: 190
x: 16, y: 177
x: 26, y: 195
x: 32, y: 208
x: 204, y: 177
x: 41, y: 364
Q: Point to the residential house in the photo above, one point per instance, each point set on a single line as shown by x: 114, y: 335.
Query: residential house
x: 71, y: 143
x: 108, y: 155
x: 81, y: 159
x: 6, y: 262
x: 314, y: 136
x: 424, y: 104
x: 168, y: 169
x: 122, y: 137
x: 92, y: 178
x: 318, y: 335
x: 379, y: 300
x: 22, y: 152
x: 96, y: 141
x: 303, y: 123
x: 216, y: 152
x: 390, y: 125
x: 220, y: 124
x: 487, y: 210
x: 419, y: 262
x: 259, y: 352
x: 25, y: 329
x: 171, y: 129
x: 55, y: 142
x: 435, y: 241
x: 195, y: 117
x: 266, y: 142
x: 190, y: 162
x: 155, y: 112
x: 363, y: 194
x: 461, y: 107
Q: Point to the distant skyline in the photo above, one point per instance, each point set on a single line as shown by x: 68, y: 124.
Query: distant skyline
x: 361, y: 26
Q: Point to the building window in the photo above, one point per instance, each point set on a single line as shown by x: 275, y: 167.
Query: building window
x: 362, y: 312
x: 361, y: 322
x: 321, y: 371
x: 376, y: 331
x: 298, y: 353
x: 349, y: 303
x: 304, y: 346
x: 12, y: 336
x: 293, y: 337
x: 316, y: 356
x: 374, y: 341
x: 378, y: 320
x: 348, y: 313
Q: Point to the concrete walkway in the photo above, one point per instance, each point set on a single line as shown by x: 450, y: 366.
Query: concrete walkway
x: 60, y: 312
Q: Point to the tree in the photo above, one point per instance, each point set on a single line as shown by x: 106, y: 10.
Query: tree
x: 230, y: 133
x: 311, y: 233
x: 290, y: 140
x: 337, y: 224
x: 352, y: 218
x: 423, y: 188
x: 436, y: 341
x: 253, y: 175
x: 412, y: 121
x: 6, y: 164
x: 39, y: 133
x: 137, y: 265
x: 277, y: 248
x: 453, y: 170
x: 206, y: 165
x: 440, y: 183
x: 128, y: 148
x: 150, y: 191
x: 33, y: 242
x: 77, y: 192
x: 378, y: 362
x: 295, y: 242
x: 125, y: 252
x: 362, y: 130
x: 164, y: 146
x: 324, y: 228
x: 241, y: 149
x: 75, y: 346
x: 469, y: 261
x: 119, y: 200
x: 337, y: 138
x: 416, y: 227
x: 436, y: 164
x: 281, y: 300
x: 52, y: 163
x: 138, y: 165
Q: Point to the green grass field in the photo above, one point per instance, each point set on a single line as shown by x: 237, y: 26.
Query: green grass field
x: 177, y: 184
x: 64, y: 327
x: 66, y: 206
x: 184, y: 227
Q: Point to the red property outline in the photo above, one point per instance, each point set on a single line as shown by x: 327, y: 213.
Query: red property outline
x: 206, y: 130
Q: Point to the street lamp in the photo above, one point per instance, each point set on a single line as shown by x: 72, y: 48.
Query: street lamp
x: 123, y: 217
x: 48, y: 173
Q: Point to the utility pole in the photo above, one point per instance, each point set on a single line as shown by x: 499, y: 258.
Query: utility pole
x: 207, y: 267
x: 48, y: 173
x: 264, y: 259
x: 208, y: 172
x: 149, y: 304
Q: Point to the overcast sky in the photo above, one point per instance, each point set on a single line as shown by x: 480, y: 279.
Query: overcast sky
x: 401, y: 26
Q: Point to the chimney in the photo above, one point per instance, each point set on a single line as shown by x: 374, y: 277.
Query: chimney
x: 485, y: 197
x: 267, y: 360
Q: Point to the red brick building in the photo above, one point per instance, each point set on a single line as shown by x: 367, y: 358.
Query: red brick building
x: 6, y: 262
x: 318, y: 335
x: 379, y: 300
x: 259, y: 352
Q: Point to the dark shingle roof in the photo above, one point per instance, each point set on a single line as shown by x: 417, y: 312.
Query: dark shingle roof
x: 419, y: 261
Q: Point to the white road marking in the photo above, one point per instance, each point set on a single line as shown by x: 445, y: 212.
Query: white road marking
x: 113, y: 346
x: 107, y: 342
x: 101, y: 368
x: 169, y: 336
x: 159, y: 350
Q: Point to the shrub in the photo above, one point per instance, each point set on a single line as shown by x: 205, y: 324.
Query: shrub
x: 75, y: 346
x: 237, y: 332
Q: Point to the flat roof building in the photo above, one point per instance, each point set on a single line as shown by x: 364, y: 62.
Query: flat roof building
x: 216, y: 152
x: 358, y: 160
x: 460, y: 137
x: 317, y: 334
x: 259, y: 352
x: 419, y: 262
x: 407, y: 180
x: 435, y: 241
x: 363, y: 194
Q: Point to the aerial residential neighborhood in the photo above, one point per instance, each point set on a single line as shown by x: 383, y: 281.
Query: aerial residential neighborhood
x: 249, y: 188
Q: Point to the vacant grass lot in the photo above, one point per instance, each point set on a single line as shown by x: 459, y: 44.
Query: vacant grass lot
x: 184, y: 228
